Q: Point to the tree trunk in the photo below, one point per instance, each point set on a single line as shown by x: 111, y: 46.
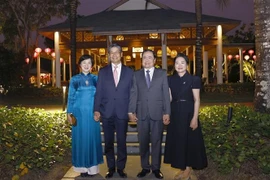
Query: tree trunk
x: 73, y: 24
x: 198, y: 51
x: 262, y: 43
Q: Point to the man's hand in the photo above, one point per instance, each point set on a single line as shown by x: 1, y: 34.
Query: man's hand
x: 132, y: 117
x: 96, y: 116
x: 166, y: 119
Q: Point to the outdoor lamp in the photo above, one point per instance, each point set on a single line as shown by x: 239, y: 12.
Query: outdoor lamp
x: 246, y: 57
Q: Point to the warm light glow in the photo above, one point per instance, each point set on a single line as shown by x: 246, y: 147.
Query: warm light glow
x: 159, y: 53
x: 254, y: 57
x: 128, y: 58
x: 120, y: 38
x: 101, y: 51
x: 137, y: 49
x: 38, y: 50
x: 53, y: 54
x: 61, y: 60
x: 124, y: 49
x: 250, y: 52
x: 246, y: 57
x: 48, y: 50
x: 35, y: 54
x: 237, y: 56
x: 173, y: 53
x: 151, y: 48
x: 134, y: 55
x: 230, y: 56
x: 153, y: 35
x: 27, y: 60
x: 181, y: 36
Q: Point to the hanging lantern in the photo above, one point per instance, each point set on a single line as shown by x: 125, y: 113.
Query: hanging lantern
x: 48, y: 50
x: 53, y: 54
x: 35, y: 54
x: 250, y: 52
x: 237, y: 56
x: 246, y: 57
x: 254, y: 57
x: 230, y: 56
x: 27, y: 60
x: 61, y: 60
x: 38, y: 50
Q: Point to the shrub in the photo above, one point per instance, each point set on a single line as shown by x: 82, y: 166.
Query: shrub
x: 231, y: 88
x: 34, y: 92
x: 245, y: 138
x: 32, y: 139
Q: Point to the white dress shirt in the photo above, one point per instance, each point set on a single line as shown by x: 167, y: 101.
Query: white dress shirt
x: 151, y: 72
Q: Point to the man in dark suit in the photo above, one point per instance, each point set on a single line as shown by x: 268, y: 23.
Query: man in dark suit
x: 150, y: 106
x: 111, y: 104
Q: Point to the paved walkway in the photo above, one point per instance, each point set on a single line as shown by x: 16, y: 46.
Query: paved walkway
x: 132, y: 169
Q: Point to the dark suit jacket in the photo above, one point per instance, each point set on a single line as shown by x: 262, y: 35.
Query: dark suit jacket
x: 110, y: 99
x: 155, y: 100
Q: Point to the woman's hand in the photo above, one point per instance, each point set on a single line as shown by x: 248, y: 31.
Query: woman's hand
x: 194, y: 124
x: 69, y: 119
x: 96, y: 116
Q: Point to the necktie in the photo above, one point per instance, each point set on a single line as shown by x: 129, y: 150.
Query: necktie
x: 115, y: 75
x: 148, y: 78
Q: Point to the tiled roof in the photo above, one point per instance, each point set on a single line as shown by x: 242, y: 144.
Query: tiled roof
x: 139, y: 21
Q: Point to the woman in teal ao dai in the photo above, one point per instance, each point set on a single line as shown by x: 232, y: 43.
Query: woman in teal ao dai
x: 86, y: 138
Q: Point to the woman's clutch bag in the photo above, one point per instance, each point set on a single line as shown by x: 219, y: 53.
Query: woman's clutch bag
x: 73, y: 120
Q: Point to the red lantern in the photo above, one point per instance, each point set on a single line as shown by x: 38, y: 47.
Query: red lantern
x: 53, y: 54
x: 35, y: 55
x: 48, y: 50
x: 230, y: 56
x: 237, y: 56
x: 61, y: 60
x: 38, y: 50
x: 250, y: 52
x: 254, y: 57
x: 27, y: 60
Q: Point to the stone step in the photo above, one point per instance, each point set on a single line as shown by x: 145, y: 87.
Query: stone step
x: 133, y: 148
x: 132, y: 127
x: 132, y: 137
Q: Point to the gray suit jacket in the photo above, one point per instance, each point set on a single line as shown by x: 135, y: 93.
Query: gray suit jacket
x: 155, y: 100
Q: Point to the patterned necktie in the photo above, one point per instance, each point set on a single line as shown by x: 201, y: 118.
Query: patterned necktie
x: 115, y: 75
x: 148, y: 78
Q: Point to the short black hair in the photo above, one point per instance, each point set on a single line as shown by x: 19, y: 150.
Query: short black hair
x: 149, y: 50
x: 86, y: 56
x: 183, y: 56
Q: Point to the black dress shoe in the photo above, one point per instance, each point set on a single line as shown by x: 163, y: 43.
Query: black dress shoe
x: 121, y: 173
x: 86, y: 175
x: 158, y: 174
x: 143, y: 173
x: 110, y: 173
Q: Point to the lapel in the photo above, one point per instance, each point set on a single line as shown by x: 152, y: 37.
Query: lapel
x: 142, y: 77
x: 110, y: 75
x: 154, y: 78
x: 122, y: 75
